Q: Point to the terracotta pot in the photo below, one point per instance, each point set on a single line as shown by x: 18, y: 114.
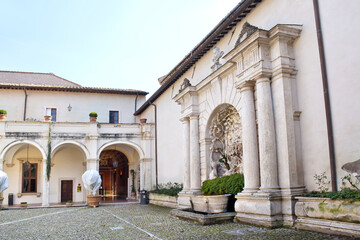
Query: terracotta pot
x: 143, y: 120
x: 47, y: 118
x: 23, y: 206
x: 2, y: 116
x: 93, y: 201
x: 93, y: 119
x: 68, y: 204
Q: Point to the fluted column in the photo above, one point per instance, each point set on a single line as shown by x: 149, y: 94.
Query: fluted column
x: 186, y: 149
x: 249, y: 137
x: 194, y: 154
x: 267, y: 144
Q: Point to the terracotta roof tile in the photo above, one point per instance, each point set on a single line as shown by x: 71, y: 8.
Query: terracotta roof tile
x: 32, y: 78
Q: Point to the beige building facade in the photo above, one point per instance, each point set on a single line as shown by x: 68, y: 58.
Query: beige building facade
x: 251, y: 93
x: 258, y: 78
x: 114, y: 145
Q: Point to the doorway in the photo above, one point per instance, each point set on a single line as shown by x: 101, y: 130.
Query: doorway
x: 114, y: 168
x: 66, y: 190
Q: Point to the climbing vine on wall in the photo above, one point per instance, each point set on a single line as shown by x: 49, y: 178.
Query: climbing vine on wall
x: 48, y: 159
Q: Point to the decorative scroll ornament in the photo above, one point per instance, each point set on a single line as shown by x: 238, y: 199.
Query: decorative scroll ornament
x: 226, y: 143
x: 246, y: 31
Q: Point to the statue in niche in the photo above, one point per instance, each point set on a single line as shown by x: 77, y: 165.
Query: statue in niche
x: 246, y: 31
x: 217, y: 55
x: 226, y: 143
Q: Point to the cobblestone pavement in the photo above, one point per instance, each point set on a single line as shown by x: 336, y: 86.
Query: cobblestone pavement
x: 128, y: 221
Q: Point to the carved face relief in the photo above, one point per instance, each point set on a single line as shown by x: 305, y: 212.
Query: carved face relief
x: 226, y: 143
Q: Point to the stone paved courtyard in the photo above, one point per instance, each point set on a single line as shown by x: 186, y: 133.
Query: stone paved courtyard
x: 128, y: 221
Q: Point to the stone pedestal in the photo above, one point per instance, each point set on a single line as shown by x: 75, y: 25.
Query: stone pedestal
x: 263, y: 209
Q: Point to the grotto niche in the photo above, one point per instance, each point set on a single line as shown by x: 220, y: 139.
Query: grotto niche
x: 226, y: 143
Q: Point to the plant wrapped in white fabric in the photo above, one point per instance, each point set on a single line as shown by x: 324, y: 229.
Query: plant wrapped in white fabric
x: 92, y: 180
x: 4, y: 181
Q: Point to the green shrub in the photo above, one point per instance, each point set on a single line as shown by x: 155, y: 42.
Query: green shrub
x: 345, y: 194
x: 93, y: 114
x: 3, y: 111
x: 231, y: 184
x: 170, y: 189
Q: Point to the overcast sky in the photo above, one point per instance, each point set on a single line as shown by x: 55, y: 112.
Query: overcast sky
x: 105, y: 43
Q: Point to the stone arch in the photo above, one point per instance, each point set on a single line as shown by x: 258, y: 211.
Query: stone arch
x: 78, y: 145
x: 17, y: 144
x: 224, y: 130
x: 130, y: 144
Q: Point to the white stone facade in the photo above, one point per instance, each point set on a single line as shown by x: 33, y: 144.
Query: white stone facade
x: 76, y: 145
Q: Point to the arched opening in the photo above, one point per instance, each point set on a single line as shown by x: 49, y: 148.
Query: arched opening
x: 225, y: 149
x: 23, y: 164
x: 67, y: 166
x: 114, y: 172
x: 119, y: 167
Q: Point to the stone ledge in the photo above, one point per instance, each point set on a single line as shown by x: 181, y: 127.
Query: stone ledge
x: 202, y: 219
x: 328, y: 226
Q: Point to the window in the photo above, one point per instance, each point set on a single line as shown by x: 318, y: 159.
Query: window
x: 114, y: 117
x: 29, y: 177
x: 51, y: 112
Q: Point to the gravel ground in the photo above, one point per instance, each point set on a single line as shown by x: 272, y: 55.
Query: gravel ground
x: 128, y: 221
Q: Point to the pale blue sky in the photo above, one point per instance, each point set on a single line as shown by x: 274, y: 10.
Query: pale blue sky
x: 108, y: 43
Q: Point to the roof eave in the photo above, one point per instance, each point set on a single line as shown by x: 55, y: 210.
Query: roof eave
x: 223, y: 27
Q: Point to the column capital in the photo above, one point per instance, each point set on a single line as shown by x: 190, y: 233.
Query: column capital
x: 194, y: 116
x: 184, y: 119
x: 262, y: 79
x: 93, y: 160
x: 246, y: 85
x: 142, y: 160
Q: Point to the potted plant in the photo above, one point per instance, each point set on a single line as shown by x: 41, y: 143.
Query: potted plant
x: 3, y: 114
x: 218, y: 194
x: 319, y: 209
x: 92, y: 183
x: 69, y: 203
x: 133, y: 191
x: 166, y: 195
x: 23, y: 205
x: 143, y: 120
x: 47, y: 118
x: 93, y: 116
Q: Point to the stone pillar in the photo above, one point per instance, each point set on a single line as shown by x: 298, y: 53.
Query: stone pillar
x: 45, y: 187
x: 186, y: 149
x: 194, y: 154
x: 2, y: 164
x: 249, y: 136
x: 146, y: 174
x: 267, y: 143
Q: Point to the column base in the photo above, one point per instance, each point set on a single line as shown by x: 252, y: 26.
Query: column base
x: 271, y: 209
x: 261, y: 208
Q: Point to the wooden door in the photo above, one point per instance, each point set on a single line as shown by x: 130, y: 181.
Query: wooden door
x: 66, y: 190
